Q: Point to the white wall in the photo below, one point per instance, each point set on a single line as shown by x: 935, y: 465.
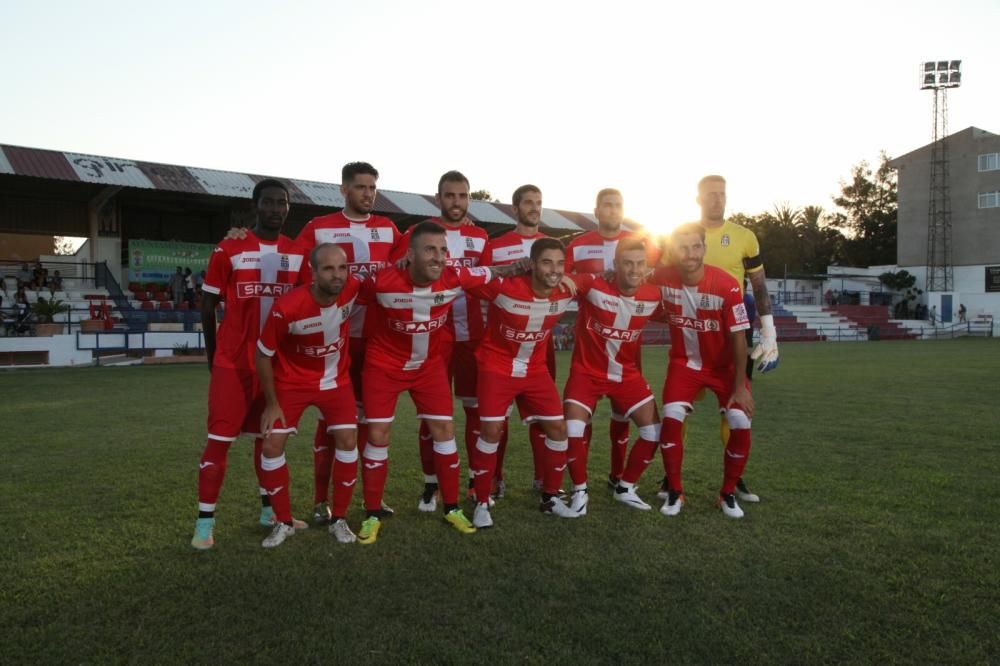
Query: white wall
x: 62, y: 349
x: 969, y: 288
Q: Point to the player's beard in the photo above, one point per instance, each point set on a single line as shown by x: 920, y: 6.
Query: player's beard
x: 449, y: 216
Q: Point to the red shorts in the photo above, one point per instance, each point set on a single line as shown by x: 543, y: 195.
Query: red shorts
x: 462, y: 369
x: 336, y: 406
x: 235, y: 404
x: 536, y: 395
x: 428, y: 388
x: 585, y: 389
x: 356, y: 350
x: 683, y: 385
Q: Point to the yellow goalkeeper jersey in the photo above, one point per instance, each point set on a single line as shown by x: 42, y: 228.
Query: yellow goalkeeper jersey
x: 734, y: 249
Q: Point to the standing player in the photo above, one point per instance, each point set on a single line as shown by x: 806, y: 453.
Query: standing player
x: 735, y: 249
x: 594, y: 252
x: 410, y: 308
x: 605, y: 363
x: 302, y: 360
x: 503, y: 250
x: 704, y: 308
x: 466, y: 244
x: 368, y: 240
x: 247, y: 275
x: 522, y: 313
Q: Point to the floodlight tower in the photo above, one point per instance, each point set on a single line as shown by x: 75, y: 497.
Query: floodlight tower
x: 939, y: 76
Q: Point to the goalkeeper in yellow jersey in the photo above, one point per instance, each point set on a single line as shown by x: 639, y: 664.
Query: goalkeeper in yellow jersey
x: 734, y: 249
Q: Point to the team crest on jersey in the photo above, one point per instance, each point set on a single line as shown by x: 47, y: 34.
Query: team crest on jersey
x: 640, y: 308
x: 345, y: 312
x: 725, y: 240
x: 375, y: 236
x: 553, y: 307
x: 284, y: 262
x: 438, y: 299
x: 704, y: 304
x: 469, y: 245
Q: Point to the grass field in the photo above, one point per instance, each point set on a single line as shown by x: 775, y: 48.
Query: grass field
x: 876, y: 540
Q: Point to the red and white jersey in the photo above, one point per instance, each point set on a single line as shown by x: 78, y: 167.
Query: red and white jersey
x: 466, y: 244
x: 508, y: 248
x: 518, y: 326
x: 591, y: 252
x: 248, y: 275
x: 309, y: 341
x: 609, y: 327
x: 702, y: 317
x: 407, y: 320
x: 369, y: 245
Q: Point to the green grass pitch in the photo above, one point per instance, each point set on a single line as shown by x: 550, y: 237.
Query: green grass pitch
x: 877, y: 539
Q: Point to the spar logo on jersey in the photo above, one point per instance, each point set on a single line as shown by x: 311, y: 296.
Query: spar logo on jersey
x: 364, y: 269
x: 696, y: 324
x: 320, y: 351
x: 516, y: 335
x: 261, y: 289
x: 740, y: 314
x: 460, y: 262
x: 417, y: 327
x: 612, y: 333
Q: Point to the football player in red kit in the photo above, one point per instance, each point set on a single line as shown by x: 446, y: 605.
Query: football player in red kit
x: 466, y: 244
x: 409, y: 312
x: 302, y: 360
x: 704, y: 308
x: 247, y: 275
x: 369, y: 241
x: 506, y: 249
x: 523, y: 311
x: 605, y: 362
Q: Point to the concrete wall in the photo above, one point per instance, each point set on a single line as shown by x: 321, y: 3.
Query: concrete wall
x: 62, y: 349
x: 975, y: 231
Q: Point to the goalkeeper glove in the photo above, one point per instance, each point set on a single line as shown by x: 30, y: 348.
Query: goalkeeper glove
x: 766, y: 351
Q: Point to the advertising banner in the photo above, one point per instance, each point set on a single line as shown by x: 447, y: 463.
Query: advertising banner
x: 156, y: 261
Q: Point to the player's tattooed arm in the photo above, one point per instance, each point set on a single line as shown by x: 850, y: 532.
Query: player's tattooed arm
x: 209, y: 302
x: 236, y: 233
x: 740, y: 396
x: 272, y: 410
x: 758, y: 281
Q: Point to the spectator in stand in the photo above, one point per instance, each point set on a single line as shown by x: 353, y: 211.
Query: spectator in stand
x: 55, y: 283
x: 189, y: 287
x: 828, y: 297
x: 934, y: 315
x: 23, y: 276
x: 38, y: 276
x: 961, y: 313
x: 176, y: 286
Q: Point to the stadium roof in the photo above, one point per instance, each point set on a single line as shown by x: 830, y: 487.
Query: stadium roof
x: 115, y: 171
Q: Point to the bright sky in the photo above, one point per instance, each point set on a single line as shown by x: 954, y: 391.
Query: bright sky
x: 780, y: 97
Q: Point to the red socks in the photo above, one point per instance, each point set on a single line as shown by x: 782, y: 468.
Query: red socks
x: 211, y: 473
x: 323, y: 447
x: 618, y: 431
x: 734, y: 460
x: 275, y: 481
x: 638, y: 460
x: 555, y: 463
x: 447, y: 467
x: 345, y: 475
x: 672, y: 449
x: 537, y: 437
x: 374, y: 470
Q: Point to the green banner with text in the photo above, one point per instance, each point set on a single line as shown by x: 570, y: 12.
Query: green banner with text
x: 156, y: 261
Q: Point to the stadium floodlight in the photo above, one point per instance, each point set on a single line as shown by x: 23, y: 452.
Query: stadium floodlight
x: 938, y: 74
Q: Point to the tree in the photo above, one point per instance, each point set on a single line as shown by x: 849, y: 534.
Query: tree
x: 483, y: 195
x: 868, y: 207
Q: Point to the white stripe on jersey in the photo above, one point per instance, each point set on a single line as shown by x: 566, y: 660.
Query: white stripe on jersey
x: 358, y: 236
x: 606, y: 251
x: 330, y: 318
x: 270, y: 262
x: 511, y: 253
x: 458, y: 245
x: 420, y: 302
x: 691, y: 300
x: 537, y: 312
x: 626, y: 307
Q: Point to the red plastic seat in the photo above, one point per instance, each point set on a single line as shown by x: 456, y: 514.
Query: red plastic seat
x: 166, y: 305
x: 183, y: 306
x: 147, y: 305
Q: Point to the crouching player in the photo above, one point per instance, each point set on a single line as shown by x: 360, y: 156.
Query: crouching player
x: 606, y: 363
x: 302, y: 360
x: 707, y: 318
x: 512, y: 366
